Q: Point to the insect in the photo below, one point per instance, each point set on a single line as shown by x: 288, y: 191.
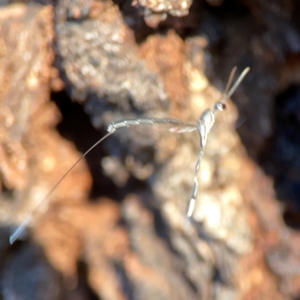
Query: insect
x: 203, y: 126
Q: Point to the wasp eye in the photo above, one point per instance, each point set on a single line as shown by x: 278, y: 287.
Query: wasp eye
x: 220, y: 106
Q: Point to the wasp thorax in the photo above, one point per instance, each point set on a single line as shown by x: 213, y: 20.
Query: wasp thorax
x: 206, y: 121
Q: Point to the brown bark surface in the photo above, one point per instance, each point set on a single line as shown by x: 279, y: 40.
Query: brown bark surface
x: 116, y: 227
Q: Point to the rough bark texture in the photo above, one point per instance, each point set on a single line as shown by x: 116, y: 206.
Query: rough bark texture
x: 116, y: 227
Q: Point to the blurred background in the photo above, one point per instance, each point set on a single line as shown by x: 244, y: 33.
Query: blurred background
x: 115, y: 229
